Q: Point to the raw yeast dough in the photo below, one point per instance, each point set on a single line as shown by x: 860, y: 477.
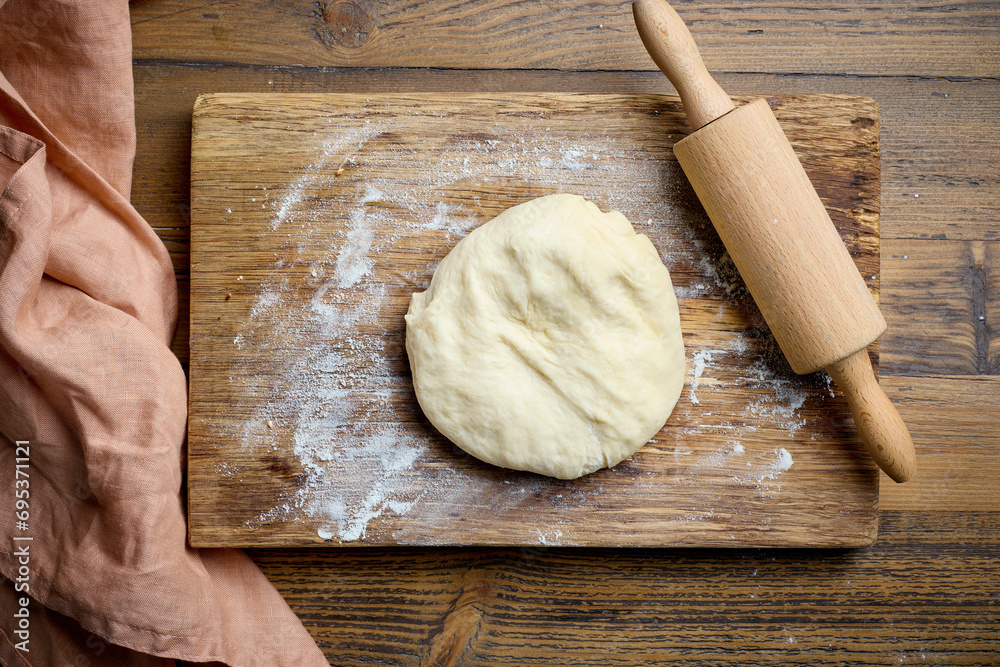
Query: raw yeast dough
x: 549, y: 340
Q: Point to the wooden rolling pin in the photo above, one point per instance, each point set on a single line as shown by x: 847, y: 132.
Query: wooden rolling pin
x: 780, y: 236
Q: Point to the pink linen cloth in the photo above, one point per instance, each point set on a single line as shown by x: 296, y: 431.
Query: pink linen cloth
x: 89, y: 386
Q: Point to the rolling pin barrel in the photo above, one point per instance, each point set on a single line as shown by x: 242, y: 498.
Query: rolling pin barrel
x: 780, y: 236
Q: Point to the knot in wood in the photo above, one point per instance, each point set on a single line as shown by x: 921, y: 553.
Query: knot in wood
x: 345, y: 23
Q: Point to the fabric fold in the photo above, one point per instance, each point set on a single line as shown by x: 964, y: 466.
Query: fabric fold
x: 93, y: 403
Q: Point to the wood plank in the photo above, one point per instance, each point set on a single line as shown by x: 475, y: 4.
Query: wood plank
x: 937, y: 136
x: 180, y: 344
x: 986, y: 316
x: 954, y: 39
x: 925, y: 593
x: 950, y: 338
x: 958, y: 172
x: 940, y: 306
x: 294, y: 414
x: 953, y: 421
x: 940, y: 164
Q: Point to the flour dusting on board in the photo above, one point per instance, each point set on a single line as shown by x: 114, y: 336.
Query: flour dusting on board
x: 774, y: 401
x: 338, y: 392
x: 700, y: 359
x: 303, y: 185
x: 353, y: 262
x: 335, y: 395
x: 774, y: 397
x: 757, y: 470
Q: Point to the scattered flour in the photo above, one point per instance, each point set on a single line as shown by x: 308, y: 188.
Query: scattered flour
x: 774, y: 399
x: 781, y: 400
x: 571, y: 159
x: 550, y: 538
x: 336, y: 149
x: 701, y: 358
x: 723, y: 272
x: 330, y: 321
x: 776, y: 462
x: 353, y: 262
x: 326, y: 322
x: 757, y: 471
x: 451, y: 218
x: 372, y: 194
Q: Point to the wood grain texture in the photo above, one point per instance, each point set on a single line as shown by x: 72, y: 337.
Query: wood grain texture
x: 953, y: 421
x: 908, y: 600
x: 934, y: 328
x: 926, y: 592
x: 958, y: 172
x: 937, y: 139
x: 955, y: 39
x: 280, y: 187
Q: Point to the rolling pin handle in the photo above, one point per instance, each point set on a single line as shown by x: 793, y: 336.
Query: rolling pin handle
x: 882, y: 429
x: 672, y: 48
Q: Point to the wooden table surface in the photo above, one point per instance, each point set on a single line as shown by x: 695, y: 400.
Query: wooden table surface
x: 928, y: 592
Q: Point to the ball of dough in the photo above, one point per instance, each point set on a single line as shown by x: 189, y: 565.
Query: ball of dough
x: 549, y: 340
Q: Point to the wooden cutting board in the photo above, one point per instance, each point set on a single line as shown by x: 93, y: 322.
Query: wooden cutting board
x: 315, y: 217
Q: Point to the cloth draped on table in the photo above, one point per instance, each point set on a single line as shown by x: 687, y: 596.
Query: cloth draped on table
x: 92, y: 400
